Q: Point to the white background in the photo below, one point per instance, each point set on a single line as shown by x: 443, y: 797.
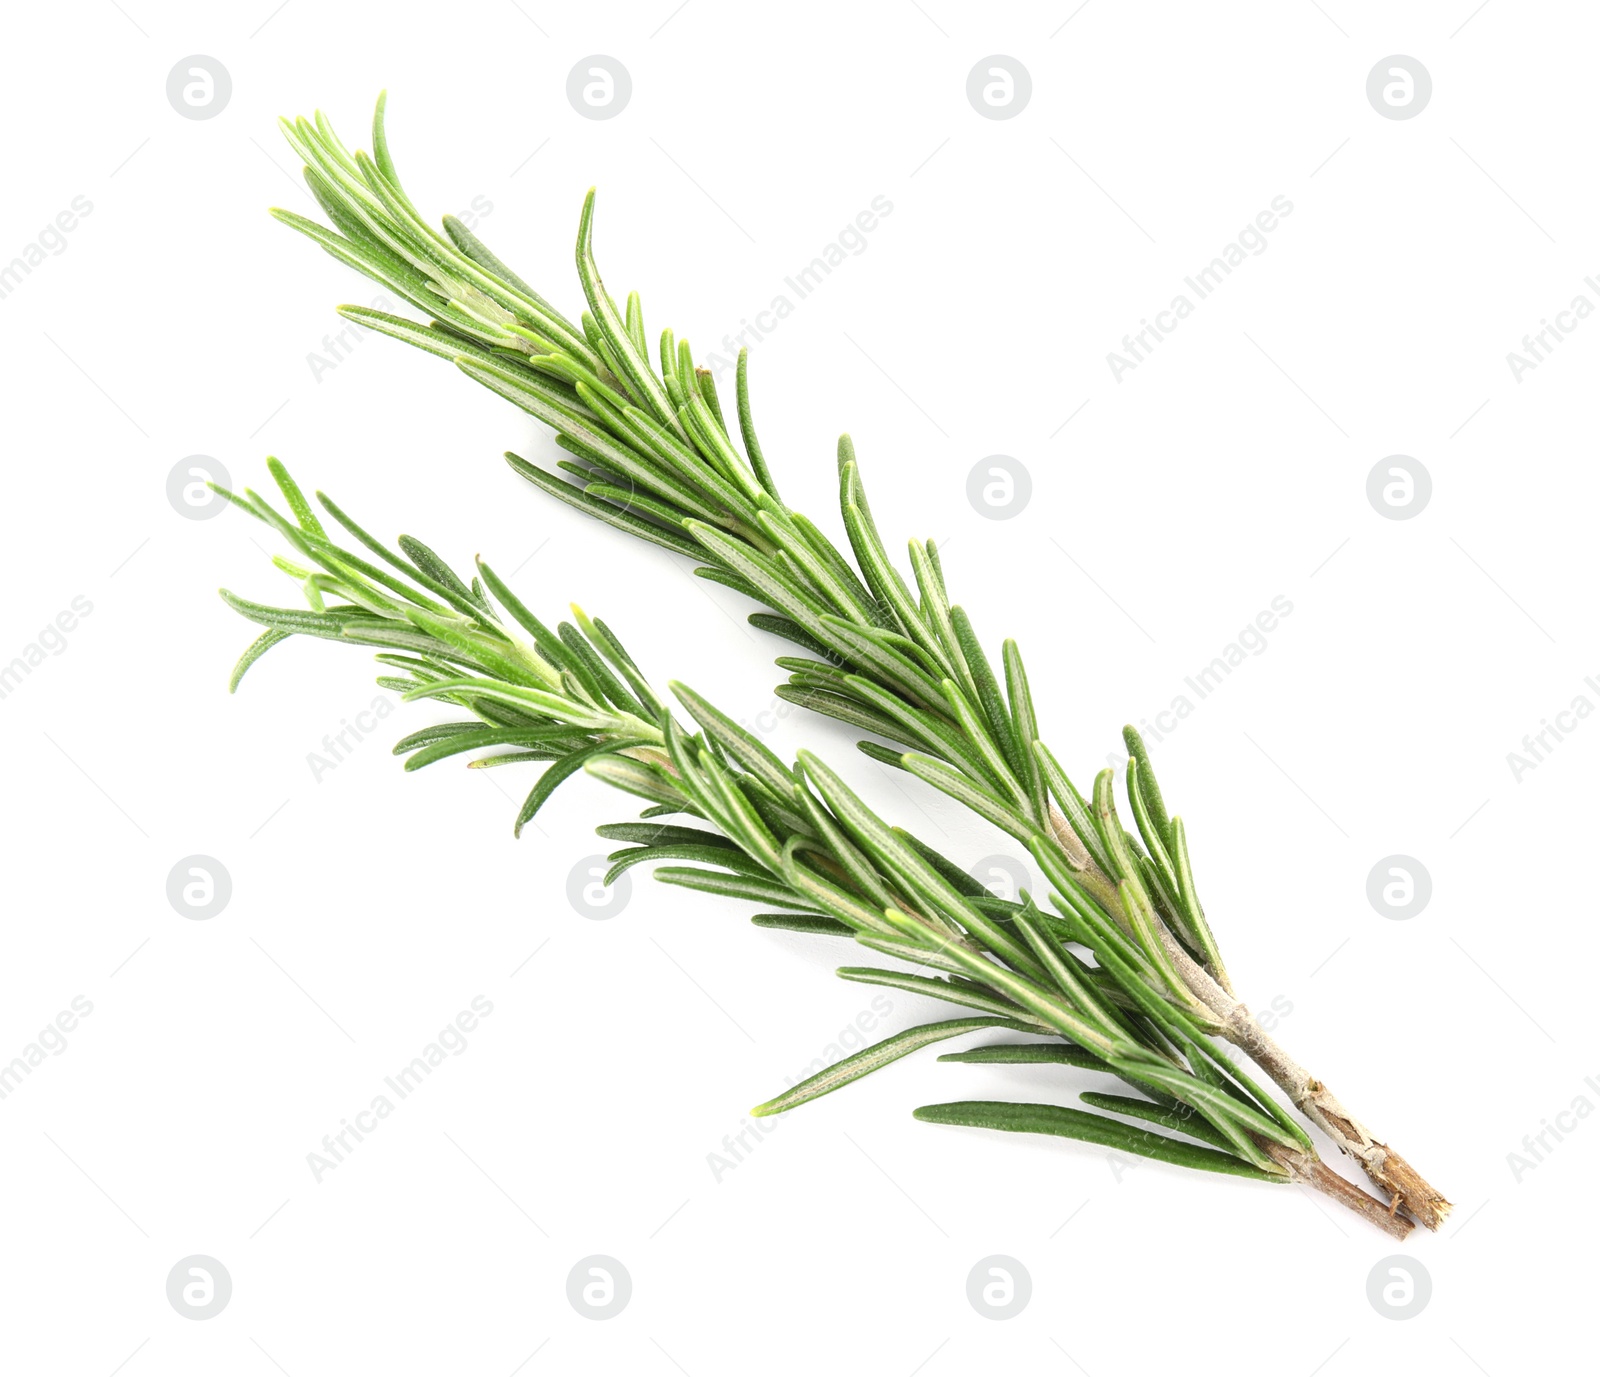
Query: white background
x: 369, y: 907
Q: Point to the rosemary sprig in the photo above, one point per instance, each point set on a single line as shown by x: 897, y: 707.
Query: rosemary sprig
x: 652, y: 454
x: 794, y: 836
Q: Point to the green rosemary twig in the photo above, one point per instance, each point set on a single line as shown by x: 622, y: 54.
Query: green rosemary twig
x: 793, y: 836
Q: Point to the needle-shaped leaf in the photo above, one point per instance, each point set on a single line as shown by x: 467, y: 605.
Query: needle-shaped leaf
x: 1192, y: 906
x: 923, y: 958
x: 871, y: 1059
x: 844, y: 852
x: 291, y: 620
x: 882, y: 659
x: 931, y: 731
x: 1239, y: 1123
x: 1041, y: 1004
x: 1056, y: 1054
x: 1020, y: 697
x: 373, y: 260
x: 661, y: 834
x: 545, y: 641
x: 256, y: 649
x: 628, y: 356
x: 1072, y: 805
x: 1087, y: 1128
x: 886, y: 583
x: 961, y: 788
x: 744, y: 747
x: 608, y: 512
x: 958, y: 879
x: 475, y: 249
x: 773, y: 587
x: 548, y: 704
x: 634, y: 321
x: 552, y: 779
x: 727, y: 886
x: 637, y: 778
x: 1156, y: 805
x: 1002, y: 730
x: 1182, y: 1120
x: 747, y: 426
x: 431, y: 338
x: 843, y: 709
x: 812, y: 924
x: 871, y: 554
x: 1063, y: 972
x: 425, y: 736
x: 788, y: 630
x: 1154, y: 833
x: 1029, y: 1054
x: 935, y: 988
x: 811, y: 570
x: 295, y: 498
x: 887, y: 849
x: 827, y: 896
x: 458, y: 742
x: 996, y: 770
x: 733, y: 859
x: 597, y: 675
